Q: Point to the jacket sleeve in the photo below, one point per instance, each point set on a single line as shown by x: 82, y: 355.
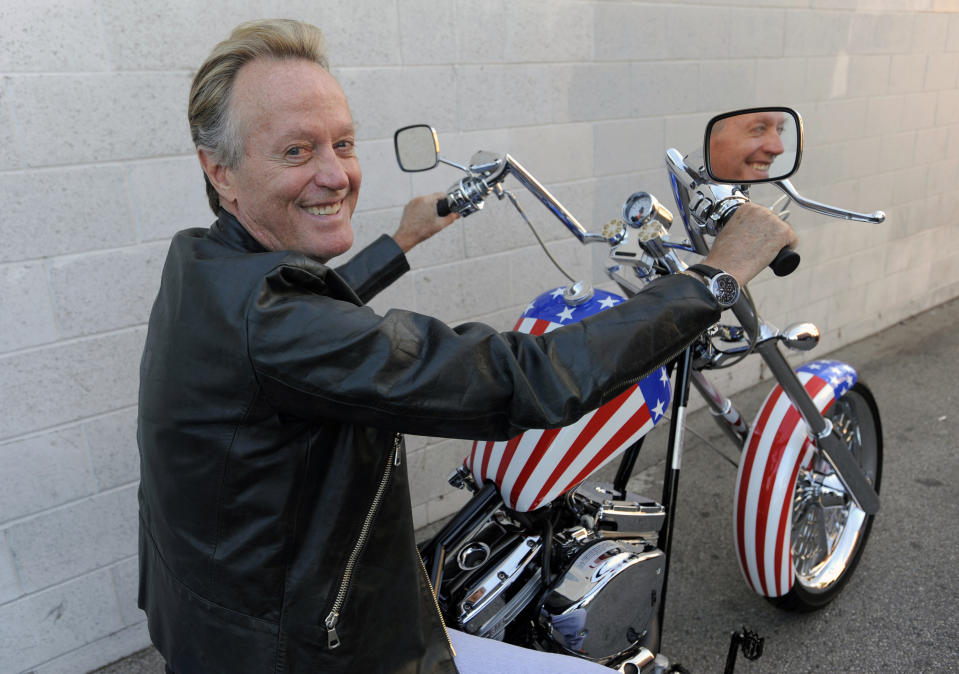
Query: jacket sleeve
x: 325, y: 358
x: 374, y: 268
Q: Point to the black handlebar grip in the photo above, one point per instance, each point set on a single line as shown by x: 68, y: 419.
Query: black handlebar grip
x: 442, y: 207
x: 785, y: 262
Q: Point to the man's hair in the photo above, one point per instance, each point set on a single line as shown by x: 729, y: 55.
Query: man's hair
x: 212, y: 125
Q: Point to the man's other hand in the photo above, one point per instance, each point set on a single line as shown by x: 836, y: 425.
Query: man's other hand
x: 420, y: 221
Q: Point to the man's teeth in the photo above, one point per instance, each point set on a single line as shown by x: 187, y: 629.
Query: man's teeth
x: 761, y: 167
x: 324, y: 210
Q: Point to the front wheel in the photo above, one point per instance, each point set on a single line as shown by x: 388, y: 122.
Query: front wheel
x: 829, y: 531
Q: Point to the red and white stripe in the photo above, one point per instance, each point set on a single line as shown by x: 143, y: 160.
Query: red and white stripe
x: 762, y: 510
x: 533, y: 469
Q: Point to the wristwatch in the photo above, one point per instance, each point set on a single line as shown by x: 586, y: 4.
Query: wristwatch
x: 724, y: 287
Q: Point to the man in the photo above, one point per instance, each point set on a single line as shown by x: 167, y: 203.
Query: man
x: 743, y: 147
x: 276, y: 531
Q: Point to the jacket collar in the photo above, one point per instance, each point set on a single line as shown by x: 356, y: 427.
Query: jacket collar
x: 228, y: 230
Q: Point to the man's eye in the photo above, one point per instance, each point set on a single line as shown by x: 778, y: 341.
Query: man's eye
x: 297, y: 153
x: 344, y: 145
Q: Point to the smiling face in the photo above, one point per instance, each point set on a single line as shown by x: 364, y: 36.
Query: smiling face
x: 297, y: 183
x: 743, y: 147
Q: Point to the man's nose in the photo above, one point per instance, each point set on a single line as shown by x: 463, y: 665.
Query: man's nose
x: 329, y: 171
x: 774, y: 144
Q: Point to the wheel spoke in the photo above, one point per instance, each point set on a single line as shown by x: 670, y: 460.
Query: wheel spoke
x: 809, y: 539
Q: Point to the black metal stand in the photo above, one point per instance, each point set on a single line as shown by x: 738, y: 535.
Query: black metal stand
x: 671, y: 482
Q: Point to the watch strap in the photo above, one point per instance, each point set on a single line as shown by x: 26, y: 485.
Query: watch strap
x: 705, y: 270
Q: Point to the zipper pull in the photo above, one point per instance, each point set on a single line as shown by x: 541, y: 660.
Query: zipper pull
x: 332, y: 639
x: 397, y: 442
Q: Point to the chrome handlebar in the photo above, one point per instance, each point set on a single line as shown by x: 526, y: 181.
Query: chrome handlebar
x: 705, y: 207
x: 487, y: 172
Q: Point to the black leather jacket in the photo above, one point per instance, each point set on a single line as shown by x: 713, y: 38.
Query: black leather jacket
x: 274, y: 502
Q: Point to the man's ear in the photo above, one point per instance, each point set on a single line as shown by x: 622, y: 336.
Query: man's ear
x: 219, y: 175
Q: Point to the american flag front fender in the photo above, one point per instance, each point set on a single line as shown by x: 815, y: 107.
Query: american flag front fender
x: 777, y: 446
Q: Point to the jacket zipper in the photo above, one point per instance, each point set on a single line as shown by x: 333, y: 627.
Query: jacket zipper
x: 436, y: 602
x: 622, y: 386
x: 333, y: 618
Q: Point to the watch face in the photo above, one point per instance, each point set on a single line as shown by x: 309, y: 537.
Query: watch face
x: 726, y: 289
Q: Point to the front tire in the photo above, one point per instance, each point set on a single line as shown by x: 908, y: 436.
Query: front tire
x: 829, y: 532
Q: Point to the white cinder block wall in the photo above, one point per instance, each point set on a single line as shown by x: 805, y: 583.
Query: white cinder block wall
x: 96, y: 173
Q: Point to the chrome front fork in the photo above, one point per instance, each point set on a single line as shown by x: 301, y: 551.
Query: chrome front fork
x: 722, y: 409
x: 820, y: 429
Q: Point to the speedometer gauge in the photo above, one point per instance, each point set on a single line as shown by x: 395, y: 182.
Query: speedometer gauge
x: 637, y: 208
x: 642, y: 207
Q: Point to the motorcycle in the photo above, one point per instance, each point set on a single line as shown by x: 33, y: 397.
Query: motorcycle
x: 542, y: 556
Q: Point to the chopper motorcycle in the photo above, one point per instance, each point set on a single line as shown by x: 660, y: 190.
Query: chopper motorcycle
x: 543, y: 557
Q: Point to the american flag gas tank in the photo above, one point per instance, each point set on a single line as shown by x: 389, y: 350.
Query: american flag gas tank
x: 534, y: 468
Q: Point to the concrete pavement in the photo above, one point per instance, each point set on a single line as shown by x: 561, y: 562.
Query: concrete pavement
x: 898, y: 613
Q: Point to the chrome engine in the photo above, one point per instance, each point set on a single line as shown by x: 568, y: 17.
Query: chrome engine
x: 491, y: 575
x: 605, y: 603
x: 605, y: 575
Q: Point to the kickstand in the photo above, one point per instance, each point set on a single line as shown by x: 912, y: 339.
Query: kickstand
x: 752, y: 647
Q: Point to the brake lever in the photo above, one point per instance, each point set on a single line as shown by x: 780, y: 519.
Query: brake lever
x: 825, y: 209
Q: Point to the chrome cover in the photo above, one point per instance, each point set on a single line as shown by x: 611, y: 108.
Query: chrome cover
x: 491, y: 622
x: 636, y: 515
x: 481, y: 593
x: 473, y: 555
x: 605, y: 603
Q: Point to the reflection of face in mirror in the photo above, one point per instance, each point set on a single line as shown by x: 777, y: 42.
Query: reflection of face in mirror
x: 744, y: 147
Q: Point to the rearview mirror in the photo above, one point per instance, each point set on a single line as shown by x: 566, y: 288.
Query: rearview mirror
x: 417, y: 148
x: 757, y: 145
